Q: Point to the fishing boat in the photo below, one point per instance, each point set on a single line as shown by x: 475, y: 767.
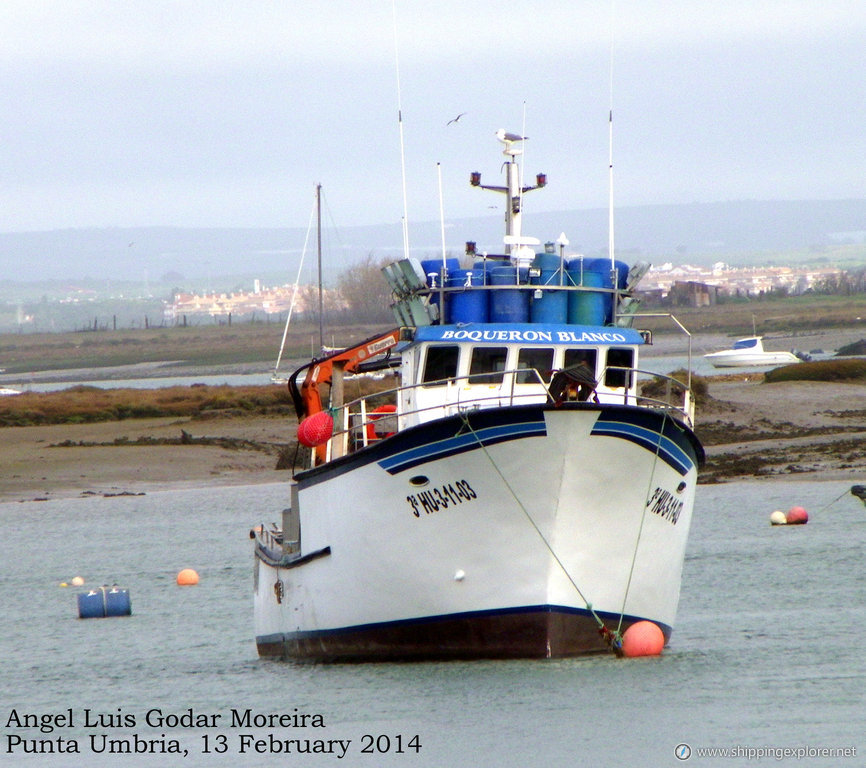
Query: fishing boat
x: 526, y: 489
x: 749, y: 352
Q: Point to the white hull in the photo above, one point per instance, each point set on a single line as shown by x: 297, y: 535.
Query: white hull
x: 735, y: 360
x: 749, y: 352
x: 498, y: 553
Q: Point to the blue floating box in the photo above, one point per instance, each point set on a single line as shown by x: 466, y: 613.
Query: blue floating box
x: 103, y: 602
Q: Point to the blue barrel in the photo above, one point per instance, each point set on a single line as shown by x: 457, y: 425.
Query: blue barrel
x: 433, y: 270
x: 552, y: 305
x: 546, y: 261
x: 585, y: 307
x: 91, y: 605
x: 433, y: 267
x: 469, y: 305
x: 508, y: 306
x: 104, y: 601
x: 602, y: 268
x: 117, y: 602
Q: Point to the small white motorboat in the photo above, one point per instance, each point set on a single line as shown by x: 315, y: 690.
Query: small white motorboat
x: 749, y: 352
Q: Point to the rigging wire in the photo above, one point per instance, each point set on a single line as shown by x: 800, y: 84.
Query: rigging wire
x: 400, y: 126
x: 614, y: 639
x: 642, y: 518
x: 295, y: 291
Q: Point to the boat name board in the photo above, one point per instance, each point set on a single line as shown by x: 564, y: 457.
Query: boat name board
x: 442, y: 497
x: 664, y: 504
x: 532, y: 335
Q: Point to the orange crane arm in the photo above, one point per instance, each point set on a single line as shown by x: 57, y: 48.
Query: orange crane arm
x: 306, y: 398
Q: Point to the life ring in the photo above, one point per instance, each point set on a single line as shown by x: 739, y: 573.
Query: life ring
x: 373, y: 416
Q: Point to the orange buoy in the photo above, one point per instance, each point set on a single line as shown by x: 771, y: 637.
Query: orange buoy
x: 796, y: 516
x: 316, y: 429
x: 643, y: 638
x: 187, y: 578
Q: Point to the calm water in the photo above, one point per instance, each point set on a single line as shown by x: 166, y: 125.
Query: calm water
x: 768, y: 651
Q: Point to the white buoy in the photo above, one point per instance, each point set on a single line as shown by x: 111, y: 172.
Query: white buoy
x: 778, y: 518
x: 459, y: 575
x: 77, y: 581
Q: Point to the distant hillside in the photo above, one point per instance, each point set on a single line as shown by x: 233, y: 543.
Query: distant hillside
x: 699, y: 233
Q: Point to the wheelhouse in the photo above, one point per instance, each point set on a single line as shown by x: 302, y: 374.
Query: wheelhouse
x: 448, y: 369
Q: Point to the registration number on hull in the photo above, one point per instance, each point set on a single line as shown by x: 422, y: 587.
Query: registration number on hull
x: 441, y: 497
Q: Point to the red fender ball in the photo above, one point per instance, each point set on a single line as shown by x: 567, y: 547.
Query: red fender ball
x: 316, y: 429
x: 643, y: 639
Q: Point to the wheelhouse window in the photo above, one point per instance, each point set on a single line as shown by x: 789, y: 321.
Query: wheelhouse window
x: 440, y: 362
x: 539, y: 358
x: 585, y: 357
x: 487, y: 364
x: 618, y: 358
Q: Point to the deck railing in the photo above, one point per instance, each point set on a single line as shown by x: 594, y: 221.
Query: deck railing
x: 356, y: 421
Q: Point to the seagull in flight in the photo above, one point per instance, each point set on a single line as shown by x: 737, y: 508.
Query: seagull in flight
x: 455, y: 119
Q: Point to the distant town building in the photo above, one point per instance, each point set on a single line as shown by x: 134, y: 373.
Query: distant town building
x: 701, y: 286
x: 261, y: 300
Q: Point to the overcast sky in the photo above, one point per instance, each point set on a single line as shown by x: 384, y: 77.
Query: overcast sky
x: 228, y: 112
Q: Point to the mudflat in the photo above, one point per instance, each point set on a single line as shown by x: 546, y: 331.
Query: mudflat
x: 749, y: 429
x: 139, y: 456
x: 754, y: 429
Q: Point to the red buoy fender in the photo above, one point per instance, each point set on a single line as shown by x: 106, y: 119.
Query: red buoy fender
x: 373, y: 416
x: 316, y: 429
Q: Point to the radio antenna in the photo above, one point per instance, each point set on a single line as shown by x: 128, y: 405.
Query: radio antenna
x: 400, y: 125
x: 610, y: 243
x: 441, y: 214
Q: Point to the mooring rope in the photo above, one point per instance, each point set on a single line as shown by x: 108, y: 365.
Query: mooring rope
x: 827, y: 506
x: 642, y: 518
x: 611, y: 637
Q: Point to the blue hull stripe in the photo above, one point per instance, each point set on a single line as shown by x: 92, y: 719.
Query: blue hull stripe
x: 461, y: 443
x: 668, y: 450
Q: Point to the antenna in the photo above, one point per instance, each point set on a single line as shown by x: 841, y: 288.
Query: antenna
x: 441, y: 213
x: 520, y: 180
x: 400, y: 125
x: 610, y: 243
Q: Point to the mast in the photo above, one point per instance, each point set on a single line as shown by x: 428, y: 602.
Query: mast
x: 319, y: 252
x: 512, y: 190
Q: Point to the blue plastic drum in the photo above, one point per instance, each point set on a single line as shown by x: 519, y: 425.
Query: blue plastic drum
x: 470, y: 304
x: 552, y: 305
x: 508, y: 306
x: 585, y: 307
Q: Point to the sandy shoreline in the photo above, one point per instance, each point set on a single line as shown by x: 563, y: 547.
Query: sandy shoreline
x: 749, y: 429
x: 63, y: 461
